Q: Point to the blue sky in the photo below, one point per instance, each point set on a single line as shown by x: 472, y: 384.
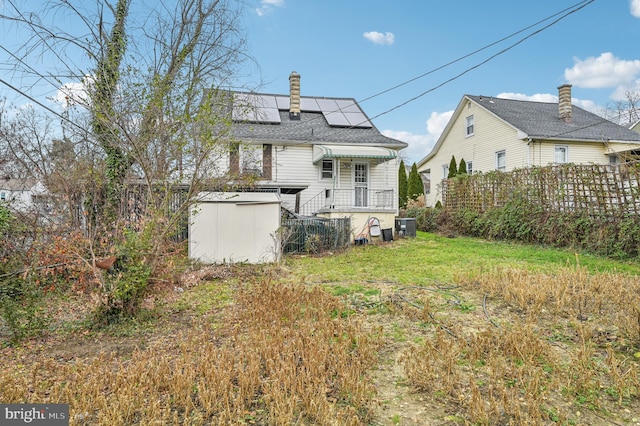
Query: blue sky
x: 359, y: 49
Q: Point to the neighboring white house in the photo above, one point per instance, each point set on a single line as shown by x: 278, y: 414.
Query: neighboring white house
x: 322, y: 155
x: 504, y: 134
x: 22, y: 194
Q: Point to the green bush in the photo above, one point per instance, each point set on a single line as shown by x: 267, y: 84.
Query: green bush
x: 125, y: 284
x: 520, y: 220
x: 22, y: 307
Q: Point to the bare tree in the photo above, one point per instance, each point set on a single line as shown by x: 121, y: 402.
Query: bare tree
x: 151, y: 76
x: 625, y: 111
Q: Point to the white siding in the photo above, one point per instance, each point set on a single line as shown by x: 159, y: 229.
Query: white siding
x: 491, y: 135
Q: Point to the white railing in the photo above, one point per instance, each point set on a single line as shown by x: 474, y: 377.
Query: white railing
x: 350, y: 199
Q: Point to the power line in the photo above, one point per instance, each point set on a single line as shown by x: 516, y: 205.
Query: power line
x: 574, y: 9
x: 477, y: 50
x: 35, y: 101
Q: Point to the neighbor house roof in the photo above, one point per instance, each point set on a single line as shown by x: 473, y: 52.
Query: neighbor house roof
x: 13, y: 184
x: 539, y: 120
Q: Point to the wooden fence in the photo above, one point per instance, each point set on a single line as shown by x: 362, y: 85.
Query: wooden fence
x: 587, y: 188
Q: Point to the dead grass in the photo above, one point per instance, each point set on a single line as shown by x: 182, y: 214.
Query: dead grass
x: 267, y: 346
x: 280, y: 354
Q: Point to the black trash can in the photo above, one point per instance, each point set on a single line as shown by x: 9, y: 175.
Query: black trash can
x: 387, y: 234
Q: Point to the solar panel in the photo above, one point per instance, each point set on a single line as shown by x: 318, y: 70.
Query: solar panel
x: 357, y: 119
x: 283, y: 102
x: 309, y: 105
x: 255, y: 108
x: 347, y: 105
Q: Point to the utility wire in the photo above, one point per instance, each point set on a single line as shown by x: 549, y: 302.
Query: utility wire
x: 57, y: 114
x: 475, y: 51
x: 565, y: 13
x: 490, y: 58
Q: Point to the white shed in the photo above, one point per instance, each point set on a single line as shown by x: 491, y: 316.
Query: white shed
x: 228, y: 227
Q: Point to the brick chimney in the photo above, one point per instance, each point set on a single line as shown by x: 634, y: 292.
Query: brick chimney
x: 294, y: 96
x: 564, y: 103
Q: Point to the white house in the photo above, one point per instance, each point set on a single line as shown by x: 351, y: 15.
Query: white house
x: 22, y: 194
x: 321, y: 154
x: 504, y: 134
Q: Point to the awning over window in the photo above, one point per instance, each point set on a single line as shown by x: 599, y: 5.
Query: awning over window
x: 325, y: 152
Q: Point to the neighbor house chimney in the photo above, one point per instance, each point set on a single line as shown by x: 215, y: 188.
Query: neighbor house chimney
x: 294, y: 96
x: 564, y: 103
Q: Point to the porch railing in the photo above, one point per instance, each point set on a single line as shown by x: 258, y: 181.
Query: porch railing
x: 349, y: 199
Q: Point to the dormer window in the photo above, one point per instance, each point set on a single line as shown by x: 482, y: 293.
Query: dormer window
x: 470, y: 126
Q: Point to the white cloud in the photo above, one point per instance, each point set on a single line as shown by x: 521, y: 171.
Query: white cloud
x: 267, y: 5
x: 421, y: 145
x: 538, y: 97
x: 380, y: 38
x: 602, y: 72
x: 635, y: 8
x: 71, y: 93
x: 547, y: 97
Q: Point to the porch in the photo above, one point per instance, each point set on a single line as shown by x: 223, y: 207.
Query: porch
x: 350, y: 200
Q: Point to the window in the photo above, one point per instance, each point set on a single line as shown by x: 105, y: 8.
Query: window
x: 561, y: 154
x: 469, y: 167
x: 327, y: 169
x: 614, y: 160
x: 501, y: 157
x: 470, y: 126
x: 3, y: 196
x: 445, y: 171
x: 251, y: 159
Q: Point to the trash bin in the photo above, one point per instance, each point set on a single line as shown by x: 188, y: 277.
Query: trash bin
x: 387, y: 234
x: 406, y: 226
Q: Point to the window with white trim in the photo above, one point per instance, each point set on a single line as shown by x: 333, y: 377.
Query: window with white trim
x: 561, y: 155
x: 470, y: 126
x: 327, y: 169
x: 469, y: 167
x: 445, y: 171
x: 501, y: 161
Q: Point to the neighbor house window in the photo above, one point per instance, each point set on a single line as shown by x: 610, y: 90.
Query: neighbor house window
x: 501, y: 157
x: 614, y: 160
x: 469, y: 167
x: 470, y: 125
x: 561, y: 154
x: 445, y: 171
x: 426, y: 181
x: 327, y: 169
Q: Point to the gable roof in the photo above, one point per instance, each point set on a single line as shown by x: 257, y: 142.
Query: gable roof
x: 265, y: 118
x: 13, y: 184
x: 540, y: 120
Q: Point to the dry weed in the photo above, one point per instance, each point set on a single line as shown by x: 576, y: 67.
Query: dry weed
x: 572, y: 342
x: 282, y: 357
